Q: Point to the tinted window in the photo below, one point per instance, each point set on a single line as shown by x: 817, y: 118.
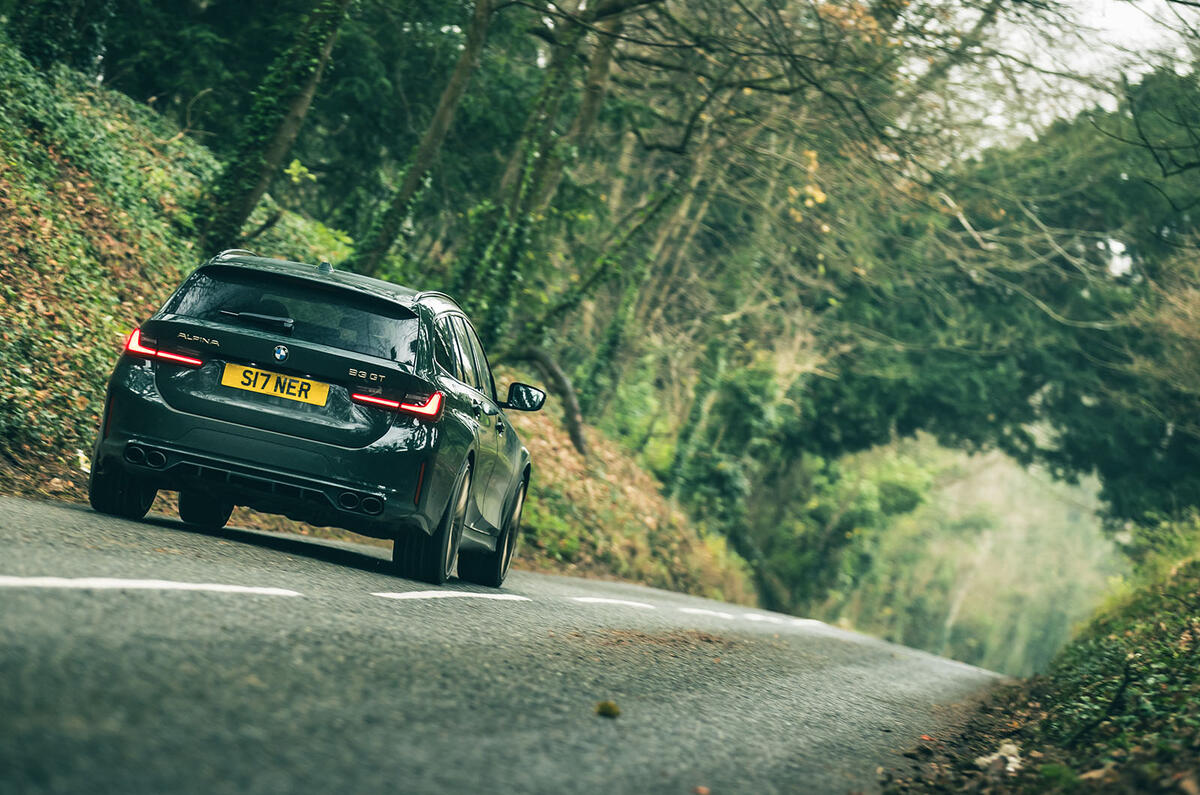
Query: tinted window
x: 486, y: 385
x: 443, y: 347
x: 465, y: 361
x: 323, y: 315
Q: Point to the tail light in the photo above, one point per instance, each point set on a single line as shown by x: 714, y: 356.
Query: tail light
x: 135, y: 346
x: 430, y: 409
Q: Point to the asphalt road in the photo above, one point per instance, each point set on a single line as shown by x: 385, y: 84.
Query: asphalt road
x: 148, y: 658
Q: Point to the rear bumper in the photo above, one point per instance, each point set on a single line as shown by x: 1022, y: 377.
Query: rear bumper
x: 379, y: 490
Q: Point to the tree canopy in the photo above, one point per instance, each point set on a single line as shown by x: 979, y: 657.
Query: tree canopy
x: 746, y: 238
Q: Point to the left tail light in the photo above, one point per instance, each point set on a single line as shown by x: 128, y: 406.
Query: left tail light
x: 145, y: 348
x: 428, y: 409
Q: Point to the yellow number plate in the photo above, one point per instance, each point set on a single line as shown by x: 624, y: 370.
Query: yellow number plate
x: 284, y: 386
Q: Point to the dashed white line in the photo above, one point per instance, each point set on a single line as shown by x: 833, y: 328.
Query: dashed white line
x: 761, y: 617
x: 505, y: 597
x: 117, y: 584
x: 808, y: 622
x: 700, y: 611
x: 114, y: 584
x: 600, y: 600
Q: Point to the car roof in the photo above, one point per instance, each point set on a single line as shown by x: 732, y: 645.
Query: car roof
x: 326, y: 274
x: 439, y: 302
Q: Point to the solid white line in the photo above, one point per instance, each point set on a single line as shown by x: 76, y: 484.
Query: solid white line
x: 506, y: 597
x: 107, y: 583
x: 600, y: 600
x: 700, y: 611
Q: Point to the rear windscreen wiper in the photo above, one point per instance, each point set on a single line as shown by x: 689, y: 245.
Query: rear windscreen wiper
x: 285, y: 323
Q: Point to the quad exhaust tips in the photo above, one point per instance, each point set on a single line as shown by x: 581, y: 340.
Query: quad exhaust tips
x: 143, y: 456
x: 368, y: 504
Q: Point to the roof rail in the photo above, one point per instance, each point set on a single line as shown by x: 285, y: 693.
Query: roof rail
x: 229, y: 252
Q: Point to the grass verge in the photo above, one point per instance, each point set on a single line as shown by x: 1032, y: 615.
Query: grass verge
x: 1118, y: 710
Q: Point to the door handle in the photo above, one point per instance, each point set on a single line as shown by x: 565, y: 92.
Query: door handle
x: 476, y: 407
x: 500, y: 426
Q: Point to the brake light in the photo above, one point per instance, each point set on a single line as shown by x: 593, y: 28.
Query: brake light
x: 134, y: 346
x: 175, y: 357
x: 375, y: 401
x: 430, y: 410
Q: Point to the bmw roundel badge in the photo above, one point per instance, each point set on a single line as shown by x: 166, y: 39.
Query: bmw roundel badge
x: 281, y: 353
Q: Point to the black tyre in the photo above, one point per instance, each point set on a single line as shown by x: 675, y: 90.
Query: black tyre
x: 113, y: 491
x: 490, y: 568
x: 203, y: 510
x: 431, y: 558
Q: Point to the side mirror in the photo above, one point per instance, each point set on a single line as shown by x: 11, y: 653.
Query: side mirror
x: 523, y: 397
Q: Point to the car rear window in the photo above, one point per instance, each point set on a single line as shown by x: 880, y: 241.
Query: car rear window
x: 323, y: 315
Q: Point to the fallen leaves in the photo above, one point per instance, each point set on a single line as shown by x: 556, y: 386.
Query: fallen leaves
x: 606, y: 516
x: 1006, y: 758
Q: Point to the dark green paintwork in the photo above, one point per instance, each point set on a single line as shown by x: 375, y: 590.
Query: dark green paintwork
x: 281, y: 457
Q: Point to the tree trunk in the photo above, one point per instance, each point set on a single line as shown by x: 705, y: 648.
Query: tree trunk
x: 671, y: 228
x: 661, y: 299
x: 961, y: 589
x: 539, y: 124
x: 603, y: 267
x: 533, y: 146
x: 546, y: 183
x: 703, y: 396
x: 616, y: 192
x: 280, y: 105
x: 369, y: 256
x: 560, y: 383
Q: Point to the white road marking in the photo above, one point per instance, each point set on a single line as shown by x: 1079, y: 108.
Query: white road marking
x: 761, y: 617
x: 600, y: 600
x: 700, y: 611
x: 113, y: 584
x: 506, y: 597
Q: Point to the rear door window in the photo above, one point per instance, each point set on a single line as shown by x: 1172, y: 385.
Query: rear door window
x: 332, y: 316
x: 443, y: 347
x: 484, y: 372
x: 466, y: 361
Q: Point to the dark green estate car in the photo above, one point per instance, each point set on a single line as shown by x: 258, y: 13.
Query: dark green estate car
x: 324, y: 396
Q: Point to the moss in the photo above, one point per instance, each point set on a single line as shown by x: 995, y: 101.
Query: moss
x: 94, y: 237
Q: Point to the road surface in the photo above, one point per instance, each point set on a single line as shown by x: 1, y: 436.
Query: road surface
x: 149, y: 658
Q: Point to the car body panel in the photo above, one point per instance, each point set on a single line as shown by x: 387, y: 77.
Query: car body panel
x: 178, y: 427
